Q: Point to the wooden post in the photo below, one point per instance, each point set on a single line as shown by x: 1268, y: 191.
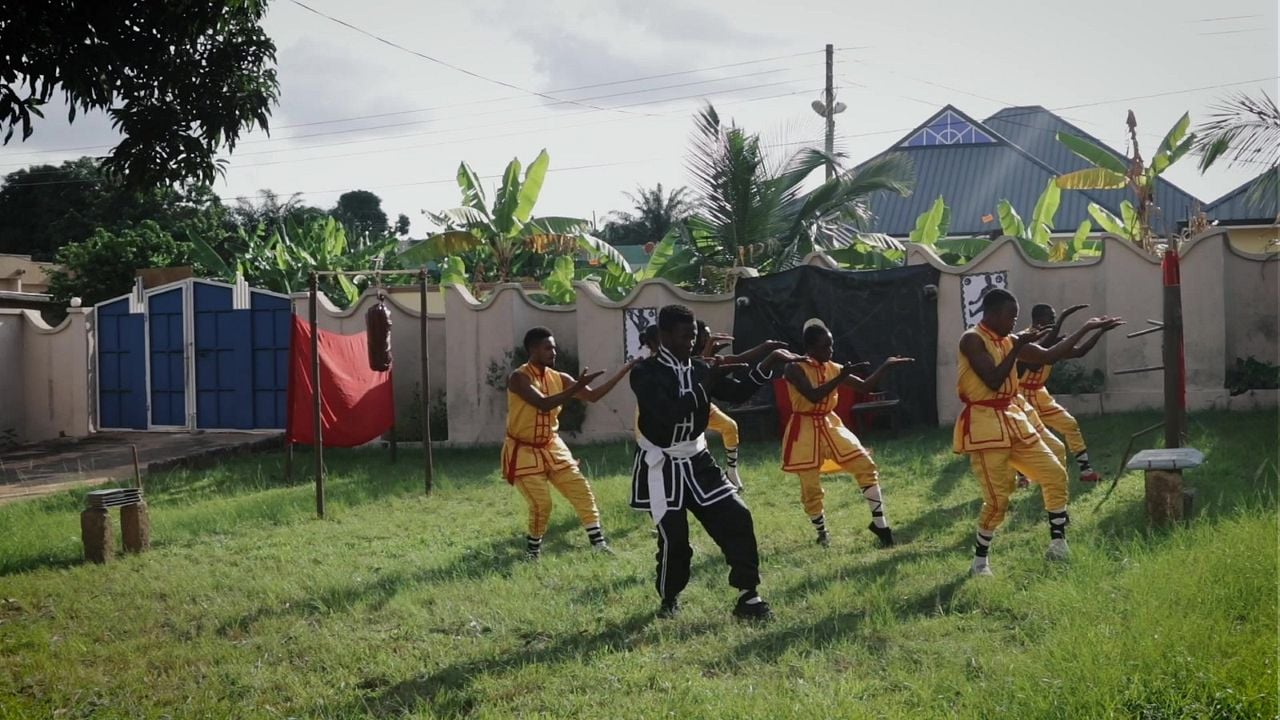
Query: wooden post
x: 288, y: 461
x: 137, y: 471
x: 424, y: 399
x: 317, y: 432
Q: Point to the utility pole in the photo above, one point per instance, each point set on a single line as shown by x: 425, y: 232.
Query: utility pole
x: 830, y: 103
x: 828, y: 108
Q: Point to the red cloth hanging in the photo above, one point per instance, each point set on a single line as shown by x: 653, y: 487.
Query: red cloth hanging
x: 356, y: 404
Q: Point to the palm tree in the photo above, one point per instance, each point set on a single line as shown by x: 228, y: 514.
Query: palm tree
x: 753, y: 213
x: 1246, y: 130
x: 655, y: 212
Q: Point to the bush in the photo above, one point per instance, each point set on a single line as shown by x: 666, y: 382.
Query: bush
x: 1252, y: 374
x: 1070, y: 378
x: 574, y: 412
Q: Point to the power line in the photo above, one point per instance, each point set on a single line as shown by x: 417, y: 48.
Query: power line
x: 444, y: 63
x: 456, y: 105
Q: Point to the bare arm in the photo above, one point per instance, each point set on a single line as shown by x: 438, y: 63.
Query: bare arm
x: 1054, y: 336
x: 1083, y: 348
x: 993, y: 375
x: 795, y: 375
x: 520, y: 384
x: 1039, y: 355
x: 756, y: 354
x: 868, y: 384
x: 593, y: 394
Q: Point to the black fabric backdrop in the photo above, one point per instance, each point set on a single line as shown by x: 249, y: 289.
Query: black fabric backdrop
x: 871, y: 314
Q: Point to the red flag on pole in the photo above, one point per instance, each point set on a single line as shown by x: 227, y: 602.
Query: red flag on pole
x: 357, y: 404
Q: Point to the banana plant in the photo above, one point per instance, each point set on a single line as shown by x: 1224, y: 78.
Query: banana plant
x: 557, y: 286
x: 503, y: 236
x: 1036, y: 237
x: 283, y: 260
x: 1113, y: 173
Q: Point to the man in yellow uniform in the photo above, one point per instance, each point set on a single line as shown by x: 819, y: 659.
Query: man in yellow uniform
x: 1032, y: 379
x: 993, y: 427
x: 816, y: 440
x: 534, y: 458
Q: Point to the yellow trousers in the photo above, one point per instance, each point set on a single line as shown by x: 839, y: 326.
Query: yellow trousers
x: 862, y: 468
x: 995, y: 472
x: 570, y: 482
x: 720, y: 422
x: 1062, y: 422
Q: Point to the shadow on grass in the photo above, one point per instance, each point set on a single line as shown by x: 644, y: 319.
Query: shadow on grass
x: 770, y: 646
x: 499, y: 556
x: 448, y: 692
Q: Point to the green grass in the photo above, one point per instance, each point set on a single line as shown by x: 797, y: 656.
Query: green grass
x: 401, y: 605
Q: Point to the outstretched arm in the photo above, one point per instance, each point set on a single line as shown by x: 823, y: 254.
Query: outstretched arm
x: 1056, y: 335
x: 874, y: 379
x: 725, y: 383
x: 993, y: 375
x: 520, y: 384
x: 1039, y: 355
x: 757, y: 353
x: 1083, y: 348
x: 796, y: 376
x: 593, y: 394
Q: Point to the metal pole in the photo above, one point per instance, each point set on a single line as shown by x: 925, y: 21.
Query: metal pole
x: 317, y: 433
x: 424, y: 396
x: 831, y: 110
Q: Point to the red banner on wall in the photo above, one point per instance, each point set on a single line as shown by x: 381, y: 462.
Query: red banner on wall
x: 356, y: 404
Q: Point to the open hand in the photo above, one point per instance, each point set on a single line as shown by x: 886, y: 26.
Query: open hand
x: 1115, y: 323
x: 587, y: 376
x: 896, y: 360
x: 1030, y: 335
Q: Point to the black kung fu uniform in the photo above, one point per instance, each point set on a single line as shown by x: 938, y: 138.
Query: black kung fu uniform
x: 675, y: 401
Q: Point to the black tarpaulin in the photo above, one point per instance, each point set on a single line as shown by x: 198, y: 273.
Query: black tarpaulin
x: 872, y: 314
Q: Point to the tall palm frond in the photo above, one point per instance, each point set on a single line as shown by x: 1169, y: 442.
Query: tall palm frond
x: 1244, y: 129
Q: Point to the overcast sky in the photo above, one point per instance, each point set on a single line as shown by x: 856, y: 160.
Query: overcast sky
x: 899, y: 62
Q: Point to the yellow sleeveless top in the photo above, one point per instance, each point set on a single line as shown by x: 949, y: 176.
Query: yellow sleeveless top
x: 990, y: 419
x: 533, y: 445
x: 815, y: 437
x: 1032, y: 387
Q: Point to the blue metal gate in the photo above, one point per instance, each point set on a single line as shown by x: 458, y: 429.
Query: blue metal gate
x: 168, y: 369
x: 224, y: 367
x: 271, y: 318
x: 122, y: 367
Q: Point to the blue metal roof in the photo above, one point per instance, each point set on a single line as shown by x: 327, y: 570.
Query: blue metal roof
x: 1035, y: 129
x: 1236, y: 207
x: 1010, y: 156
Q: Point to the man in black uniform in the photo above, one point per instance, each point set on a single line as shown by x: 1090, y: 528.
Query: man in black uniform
x: 674, y: 474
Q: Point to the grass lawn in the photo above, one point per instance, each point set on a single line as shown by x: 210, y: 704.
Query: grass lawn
x: 400, y: 605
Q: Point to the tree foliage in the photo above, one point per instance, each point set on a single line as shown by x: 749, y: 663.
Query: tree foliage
x: 44, y: 207
x: 180, y: 80
x: 104, y: 265
x: 654, y: 211
x: 1245, y: 130
x: 360, y: 211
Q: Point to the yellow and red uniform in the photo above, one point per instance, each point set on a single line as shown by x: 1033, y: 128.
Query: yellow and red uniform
x: 817, y: 442
x: 1053, y: 414
x: 996, y: 432
x: 534, y: 458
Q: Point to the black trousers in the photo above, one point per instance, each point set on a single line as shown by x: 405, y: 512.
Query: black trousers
x: 728, y: 522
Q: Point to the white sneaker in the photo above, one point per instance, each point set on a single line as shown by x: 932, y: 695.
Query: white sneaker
x: 1058, y: 550
x: 731, y: 474
x: 981, y: 567
x: 602, y: 548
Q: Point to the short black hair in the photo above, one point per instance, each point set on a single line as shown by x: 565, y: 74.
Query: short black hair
x: 814, y: 332
x: 996, y: 298
x: 1041, y: 310
x: 535, y: 336
x: 649, y: 335
x: 672, y: 315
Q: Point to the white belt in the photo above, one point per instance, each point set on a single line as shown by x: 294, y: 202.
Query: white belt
x: 654, y: 457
